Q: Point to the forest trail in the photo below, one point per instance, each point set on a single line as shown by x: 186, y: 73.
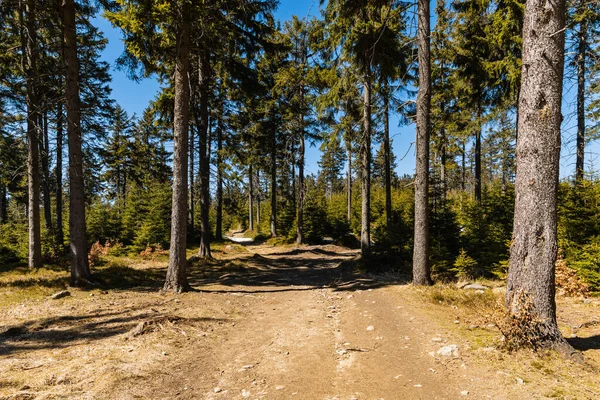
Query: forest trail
x: 309, y: 328
x: 262, y: 323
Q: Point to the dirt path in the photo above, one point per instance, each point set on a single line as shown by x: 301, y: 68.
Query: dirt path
x: 309, y: 329
x: 266, y: 323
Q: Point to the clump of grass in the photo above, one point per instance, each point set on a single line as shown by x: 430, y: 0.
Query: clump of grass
x: 470, y: 299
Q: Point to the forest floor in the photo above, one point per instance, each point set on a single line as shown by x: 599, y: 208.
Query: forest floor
x: 268, y: 322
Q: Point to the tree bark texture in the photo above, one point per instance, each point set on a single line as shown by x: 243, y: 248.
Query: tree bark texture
x: 192, y: 171
x: 80, y: 270
x: 478, y: 158
x: 176, y: 280
x: 219, y: 194
x: 45, y: 161
x: 365, y: 176
x: 387, y: 158
x: 34, y: 133
x: 273, y: 220
x: 534, y: 244
x: 204, y: 158
x: 581, y: 56
x: 250, y: 198
x: 421, y: 268
x: 59, y: 177
x: 300, y: 205
x: 349, y: 180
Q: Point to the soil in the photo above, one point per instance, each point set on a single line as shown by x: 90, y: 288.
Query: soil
x: 270, y: 323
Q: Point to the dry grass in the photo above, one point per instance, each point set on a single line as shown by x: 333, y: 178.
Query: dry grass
x: 475, y: 317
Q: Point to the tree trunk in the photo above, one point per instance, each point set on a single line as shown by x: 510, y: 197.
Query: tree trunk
x: 219, y: 194
x: 300, y: 205
x: 463, y: 165
x: 45, y: 152
x: 176, y: 279
x: 365, y: 178
x: 421, y: 270
x: 203, y: 132
x: 581, y: 53
x: 478, y: 157
x: 250, y: 198
x: 3, y: 206
x: 274, y: 186
x: 258, y: 200
x: 191, y: 178
x: 29, y: 65
x: 387, y: 158
x: 443, y: 157
x: 80, y: 270
x: 531, y: 287
x: 349, y: 180
x: 60, y: 240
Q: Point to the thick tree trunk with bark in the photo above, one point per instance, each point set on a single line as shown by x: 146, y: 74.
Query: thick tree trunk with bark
x: 34, y: 132
x: 60, y: 240
x: 421, y: 270
x: 531, y: 287
x: 80, y: 270
x: 300, y: 205
x: 204, y: 71
x: 581, y: 56
x: 365, y: 175
x: 387, y: 157
x: 176, y: 280
x: 219, y: 194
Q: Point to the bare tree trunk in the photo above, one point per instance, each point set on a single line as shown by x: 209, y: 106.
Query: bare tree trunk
x: 274, y: 186
x: 443, y: 157
x: 478, y: 157
x: 463, y: 165
x: 80, y: 270
x: 29, y: 64
x: 191, y: 178
x: 530, y: 287
x: 258, y: 200
x: 60, y: 240
x: 365, y: 178
x: 300, y: 205
x: 45, y: 153
x: 582, y: 48
x: 387, y: 156
x: 250, y: 198
x: 176, y: 280
x: 203, y: 131
x: 421, y: 268
x: 349, y: 179
x: 219, y: 194
x: 3, y: 205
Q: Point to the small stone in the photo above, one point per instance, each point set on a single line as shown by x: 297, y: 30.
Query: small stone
x: 246, y: 393
x: 164, y: 353
x: 456, y: 321
x: 60, y: 295
x: 217, y: 390
x: 350, y: 296
x: 91, y: 294
x: 519, y: 381
x: 475, y: 286
x: 464, y: 393
x: 279, y: 387
x: 473, y: 327
x: 418, y: 385
x: 370, y: 328
x: 436, y: 339
x: 448, y: 351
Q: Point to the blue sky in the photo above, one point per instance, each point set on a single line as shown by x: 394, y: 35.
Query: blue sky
x: 134, y: 97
